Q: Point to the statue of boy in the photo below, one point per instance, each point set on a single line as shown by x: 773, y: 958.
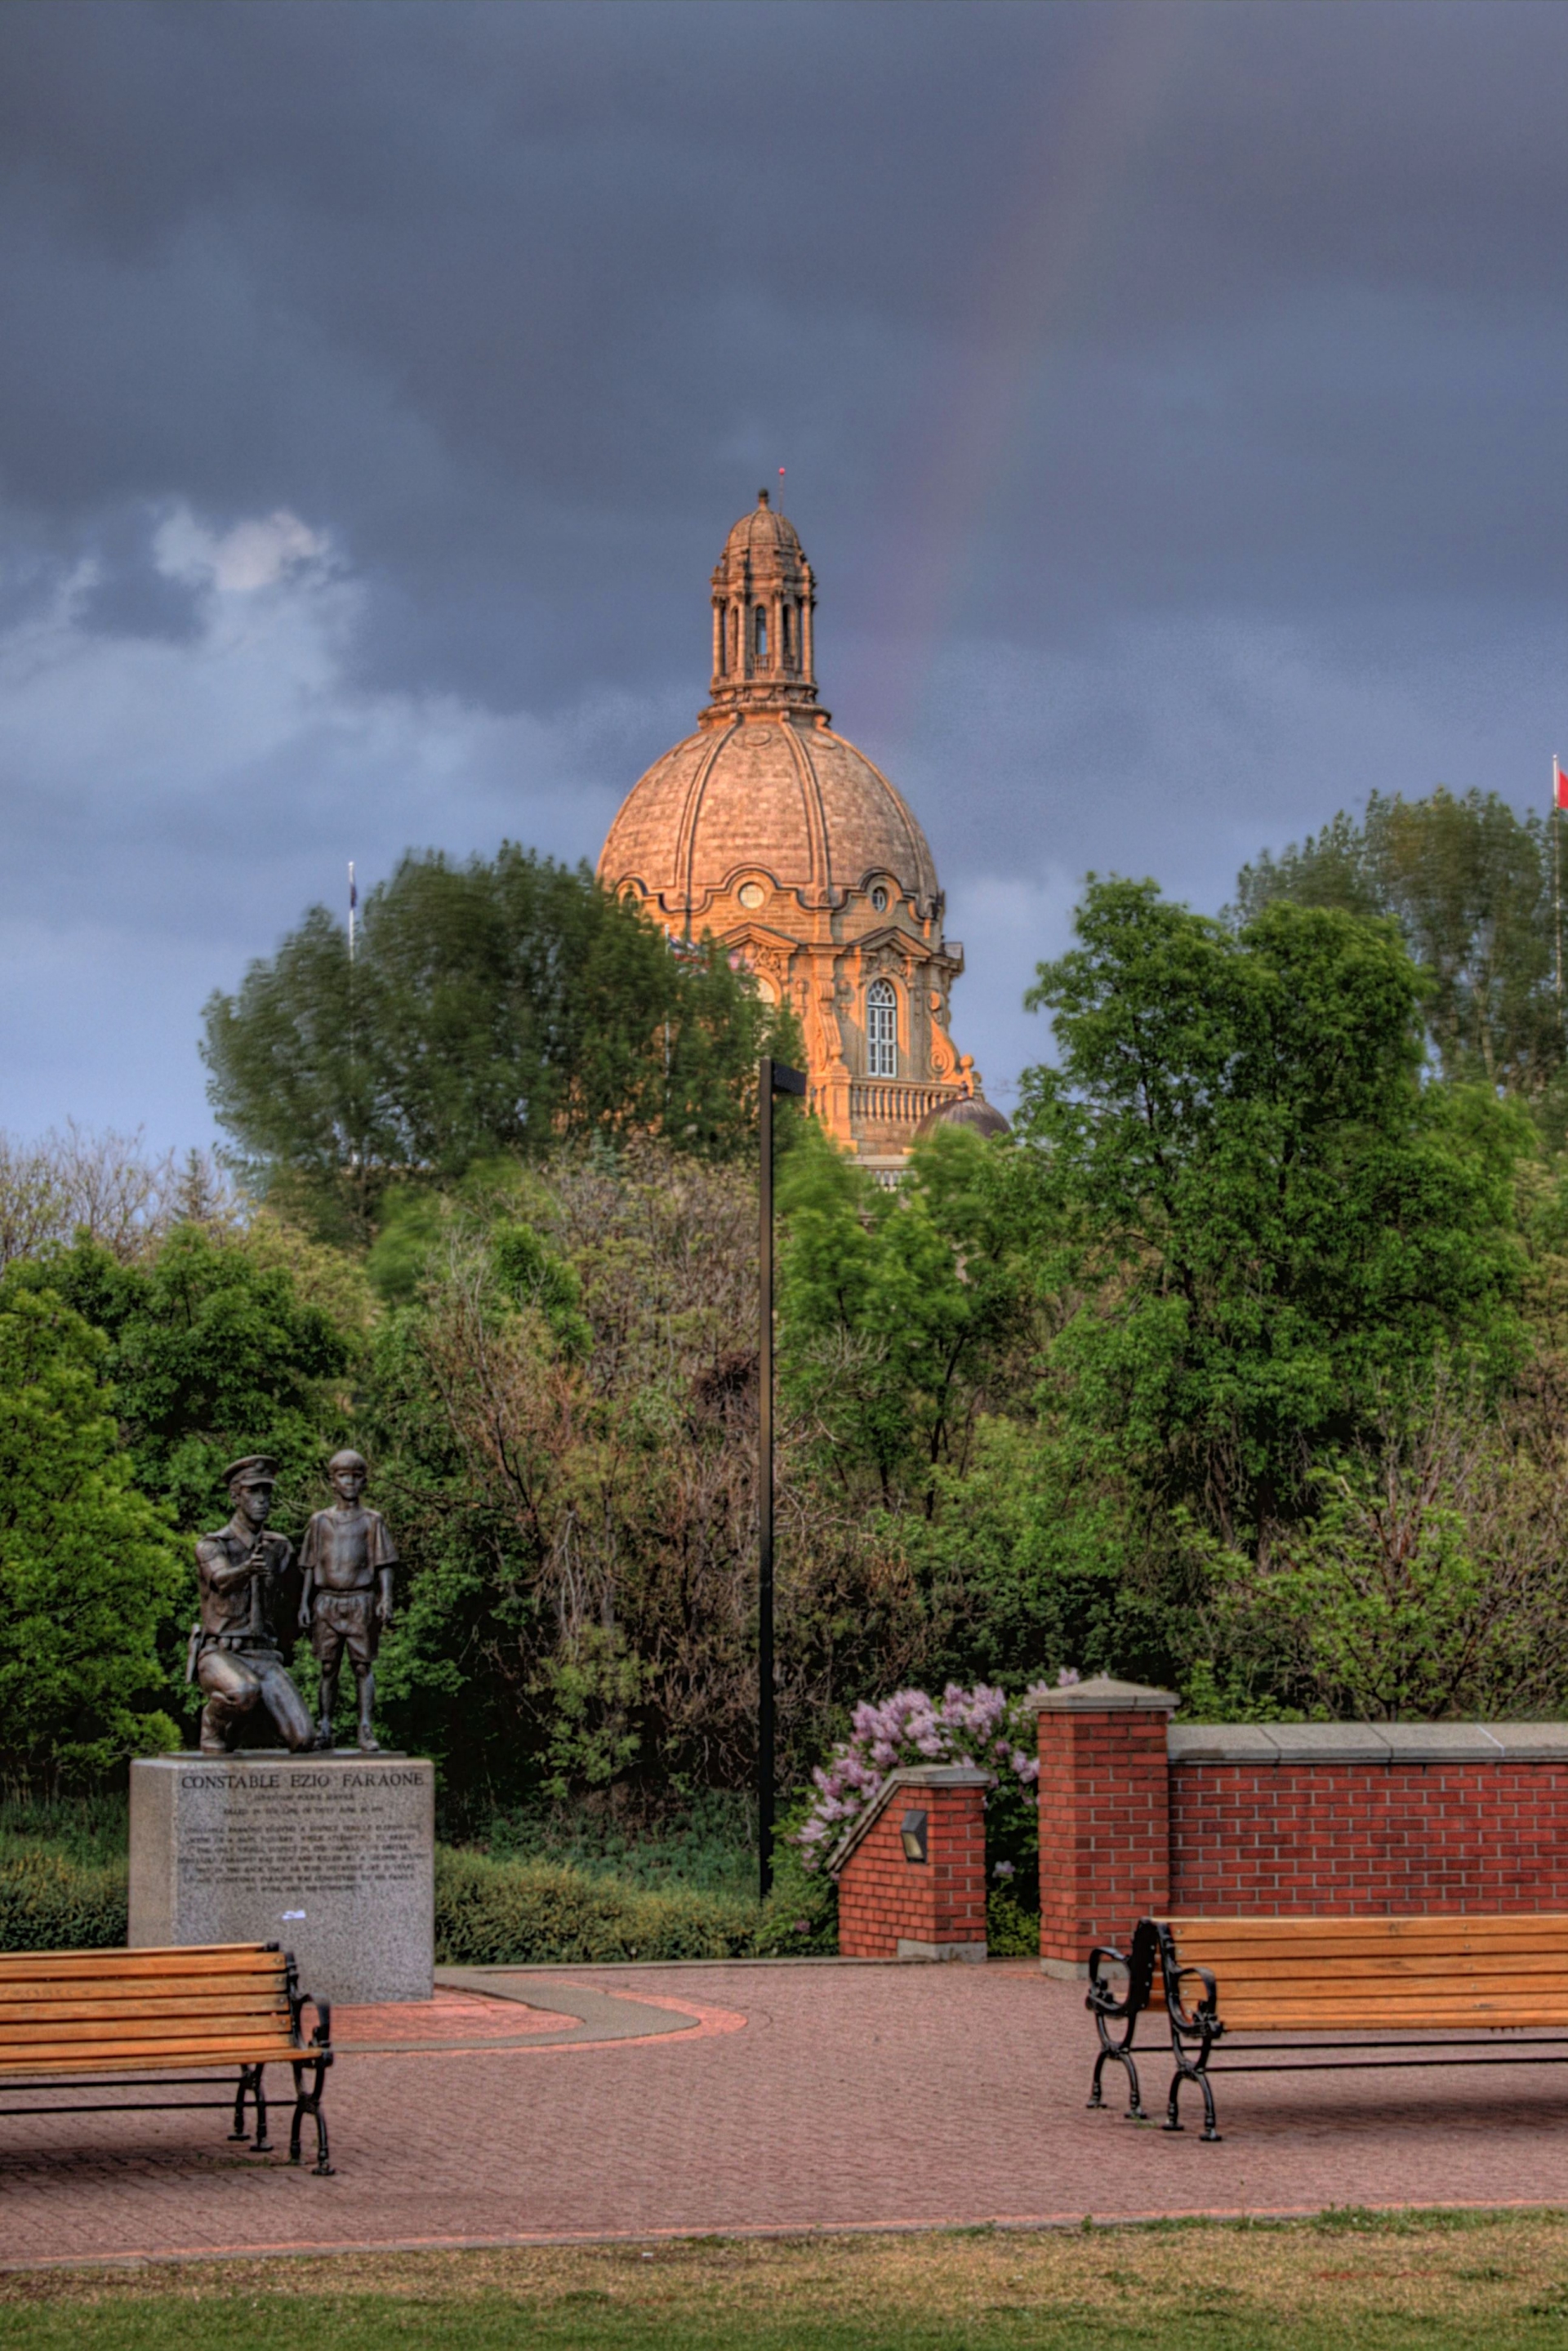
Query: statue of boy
x: 348, y: 1556
x: 234, y: 1655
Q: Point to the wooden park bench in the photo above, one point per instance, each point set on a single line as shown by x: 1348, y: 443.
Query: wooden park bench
x: 1427, y: 1991
x: 212, y: 2017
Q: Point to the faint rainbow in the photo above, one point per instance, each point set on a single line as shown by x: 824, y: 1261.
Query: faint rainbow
x: 1072, y: 198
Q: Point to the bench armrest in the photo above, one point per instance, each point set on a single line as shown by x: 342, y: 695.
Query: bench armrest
x: 1102, y: 1999
x: 1140, y: 1967
x: 1204, y: 2018
x: 299, y: 2001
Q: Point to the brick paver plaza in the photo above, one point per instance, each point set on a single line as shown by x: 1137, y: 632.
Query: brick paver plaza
x: 690, y: 2100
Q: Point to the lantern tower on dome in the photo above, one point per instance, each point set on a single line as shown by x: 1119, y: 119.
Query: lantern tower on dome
x: 773, y: 833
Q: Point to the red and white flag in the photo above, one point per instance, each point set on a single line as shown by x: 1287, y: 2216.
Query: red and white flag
x: 1559, y: 786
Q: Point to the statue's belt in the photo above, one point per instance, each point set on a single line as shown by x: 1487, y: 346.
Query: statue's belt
x: 259, y: 1645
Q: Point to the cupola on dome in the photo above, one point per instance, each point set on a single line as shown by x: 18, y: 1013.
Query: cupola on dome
x: 777, y: 836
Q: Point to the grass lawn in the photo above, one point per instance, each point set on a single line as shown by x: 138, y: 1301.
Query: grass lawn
x: 1348, y: 2281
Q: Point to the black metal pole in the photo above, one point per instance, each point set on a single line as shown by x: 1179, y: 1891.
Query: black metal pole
x: 765, y: 1492
x: 772, y: 1077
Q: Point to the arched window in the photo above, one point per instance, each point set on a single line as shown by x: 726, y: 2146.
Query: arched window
x: 881, y: 1029
x: 786, y: 636
x: 761, y: 634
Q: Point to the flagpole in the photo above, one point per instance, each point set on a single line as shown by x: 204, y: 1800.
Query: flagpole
x: 354, y: 1158
x: 1557, y: 876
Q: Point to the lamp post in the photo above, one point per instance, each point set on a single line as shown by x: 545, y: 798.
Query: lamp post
x: 773, y: 1078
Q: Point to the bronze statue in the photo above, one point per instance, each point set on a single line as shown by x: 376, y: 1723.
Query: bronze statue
x: 234, y: 1653
x: 348, y: 1556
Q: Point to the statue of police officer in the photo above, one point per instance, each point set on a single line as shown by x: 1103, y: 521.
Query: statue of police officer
x: 234, y: 1657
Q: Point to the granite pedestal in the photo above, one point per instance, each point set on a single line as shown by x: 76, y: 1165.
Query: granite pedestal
x: 331, y: 1856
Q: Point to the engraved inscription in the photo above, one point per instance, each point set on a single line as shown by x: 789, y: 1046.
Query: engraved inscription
x: 310, y: 1836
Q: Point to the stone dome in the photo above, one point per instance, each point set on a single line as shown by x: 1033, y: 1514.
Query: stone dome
x: 763, y: 536
x: 795, y: 802
x: 969, y: 1110
x: 770, y: 833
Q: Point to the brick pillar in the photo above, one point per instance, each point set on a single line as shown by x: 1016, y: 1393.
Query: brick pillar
x: 893, y: 1907
x: 1104, y: 1816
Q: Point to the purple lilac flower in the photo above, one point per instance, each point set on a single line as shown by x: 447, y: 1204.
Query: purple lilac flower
x: 911, y: 1727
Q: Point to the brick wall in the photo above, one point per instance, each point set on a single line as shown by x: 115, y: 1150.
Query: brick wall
x: 886, y: 1900
x: 1104, y: 1795
x: 1138, y: 1814
x: 1371, y: 1837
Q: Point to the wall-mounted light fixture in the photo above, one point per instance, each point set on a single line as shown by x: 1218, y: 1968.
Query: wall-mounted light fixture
x: 912, y: 1832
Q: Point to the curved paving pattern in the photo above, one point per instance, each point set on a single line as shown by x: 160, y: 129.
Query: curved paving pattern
x: 488, y: 2008
x: 764, y: 2099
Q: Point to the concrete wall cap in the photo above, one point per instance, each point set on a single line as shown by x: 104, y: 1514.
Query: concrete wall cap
x: 1221, y: 1742
x: 1367, y: 1742
x: 1439, y: 1742
x: 1531, y: 1742
x: 1329, y: 1742
x: 908, y: 1775
x: 1106, y: 1694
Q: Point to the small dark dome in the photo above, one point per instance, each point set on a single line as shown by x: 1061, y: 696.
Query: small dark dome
x: 969, y: 1110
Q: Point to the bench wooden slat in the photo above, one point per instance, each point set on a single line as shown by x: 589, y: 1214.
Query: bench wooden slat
x: 149, y: 2057
x: 1440, y: 1984
x: 260, y: 1967
x: 1262, y: 1925
x: 1394, y: 1967
x: 262, y: 2002
x: 128, y: 2029
x: 1409, y: 1992
x: 153, y: 1991
x: 1192, y: 1951
x: 195, y: 1959
x: 1548, y: 1929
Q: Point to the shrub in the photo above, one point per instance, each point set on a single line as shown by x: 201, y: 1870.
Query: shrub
x: 1011, y: 1932
x: 499, y: 1913
x: 50, y: 1903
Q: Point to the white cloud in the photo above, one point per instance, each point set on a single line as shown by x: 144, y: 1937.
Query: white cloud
x: 253, y: 554
x: 171, y: 806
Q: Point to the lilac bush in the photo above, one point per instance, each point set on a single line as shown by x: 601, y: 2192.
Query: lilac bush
x: 981, y: 1727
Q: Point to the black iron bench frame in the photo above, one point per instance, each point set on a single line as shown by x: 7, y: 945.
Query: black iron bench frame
x: 315, y: 2057
x: 1195, y: 2032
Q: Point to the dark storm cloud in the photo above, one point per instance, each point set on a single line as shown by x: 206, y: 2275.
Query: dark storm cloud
x: 1156, y: 384
x: 507, y: 294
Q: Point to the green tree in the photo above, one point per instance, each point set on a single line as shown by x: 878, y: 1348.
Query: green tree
x: 566, y: 1411
x: 1430, y: 1581
x: 900, y: 1312
x: 1258, y: 1218
x: 1469, y: 884
x: 209, y: 1352
x: 500, y: 1007
x: 89, y: 1572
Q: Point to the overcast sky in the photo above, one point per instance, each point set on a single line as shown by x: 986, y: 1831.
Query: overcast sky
x: 1173, y: 400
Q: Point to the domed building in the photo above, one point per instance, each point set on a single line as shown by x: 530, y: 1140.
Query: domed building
x: 773, y: 832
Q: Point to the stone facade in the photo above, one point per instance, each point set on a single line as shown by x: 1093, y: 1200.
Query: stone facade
x: 776, y: 835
